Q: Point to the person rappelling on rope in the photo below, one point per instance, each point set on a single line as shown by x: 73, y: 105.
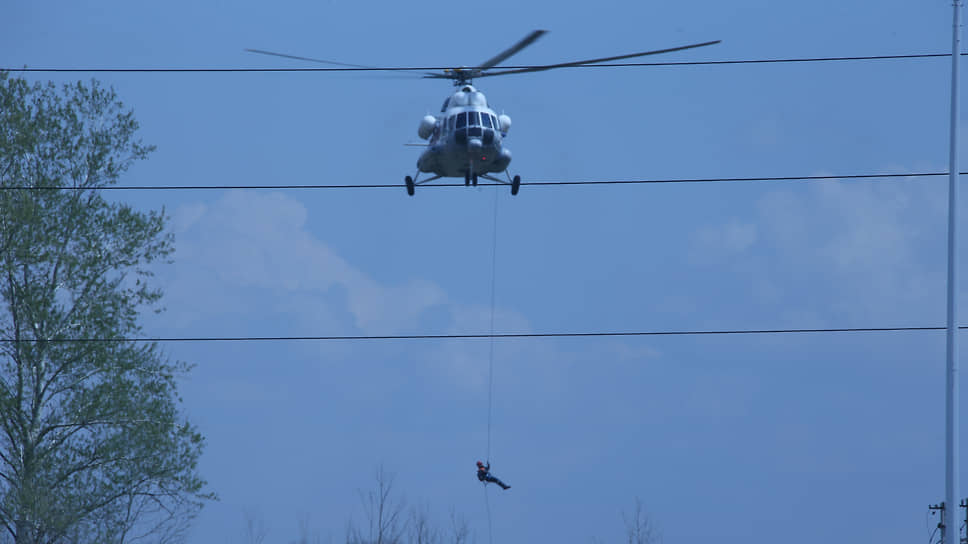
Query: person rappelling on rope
x: 484, y: 475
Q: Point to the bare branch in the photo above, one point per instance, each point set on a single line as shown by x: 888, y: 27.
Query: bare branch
x: 639, y: 529
x: 254, y: 531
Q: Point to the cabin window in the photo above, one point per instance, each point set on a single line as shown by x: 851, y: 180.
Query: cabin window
x: 474, y: 120
x: 461, y: 120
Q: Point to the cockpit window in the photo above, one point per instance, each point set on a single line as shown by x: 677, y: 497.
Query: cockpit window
x: 450, y: 123
x: 461, y: 120
x: 474, y: 119
x: 486, y: 120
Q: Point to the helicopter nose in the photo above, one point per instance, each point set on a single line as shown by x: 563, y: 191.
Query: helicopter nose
x: 474, y: 143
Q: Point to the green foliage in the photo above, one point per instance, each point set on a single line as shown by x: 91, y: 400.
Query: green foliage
x: 92, y: 445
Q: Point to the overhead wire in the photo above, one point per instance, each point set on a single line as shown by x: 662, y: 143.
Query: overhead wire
x: 438, y: 68
x: 470, y: 336
x: 491, y: 335
x: 548, y: 183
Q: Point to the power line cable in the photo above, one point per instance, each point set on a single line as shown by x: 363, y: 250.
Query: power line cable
x: 552, y: 183
x: 439, y: 68
x: 469, y: 336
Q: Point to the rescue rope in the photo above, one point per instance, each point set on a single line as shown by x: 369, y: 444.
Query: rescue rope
x: 487, y: 504
x: 490, y: 363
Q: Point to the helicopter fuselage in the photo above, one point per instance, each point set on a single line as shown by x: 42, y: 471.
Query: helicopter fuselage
x: 466, y: 139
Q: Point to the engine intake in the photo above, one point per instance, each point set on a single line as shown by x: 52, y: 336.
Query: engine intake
x: 426, y: 127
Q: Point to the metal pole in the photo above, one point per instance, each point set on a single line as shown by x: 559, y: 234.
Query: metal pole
x: 951, y: 371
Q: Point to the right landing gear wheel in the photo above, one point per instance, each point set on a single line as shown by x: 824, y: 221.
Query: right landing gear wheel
x: 410, y: 187
x: 474, y: 180
x: 515, y: 185
x: 467, y: 179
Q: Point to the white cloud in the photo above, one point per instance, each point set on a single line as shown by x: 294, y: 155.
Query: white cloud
x: 723, y: 241
x: 861, y: 249
x: 248, y: 243
x: 186, y: 216
x: 247, y: 263
x: 868, y: 239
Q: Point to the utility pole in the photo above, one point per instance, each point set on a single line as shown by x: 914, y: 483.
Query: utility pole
x: 951, y: 368
x: 941, y: 526
x: 964, y: 506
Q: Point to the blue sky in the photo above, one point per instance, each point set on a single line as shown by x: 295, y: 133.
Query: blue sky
x: 738, y: 439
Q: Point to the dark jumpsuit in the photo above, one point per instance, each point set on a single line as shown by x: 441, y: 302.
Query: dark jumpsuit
x: 484, y: 475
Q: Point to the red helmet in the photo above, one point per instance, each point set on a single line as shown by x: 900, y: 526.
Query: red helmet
x: 480, y: 464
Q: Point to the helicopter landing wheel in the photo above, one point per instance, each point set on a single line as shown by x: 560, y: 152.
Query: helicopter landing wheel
x: 515, y: 185
x: 410, y: 187
x: 467, y: 179
x: 474, y: 180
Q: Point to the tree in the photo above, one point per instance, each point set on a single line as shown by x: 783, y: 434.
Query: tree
x: 255, y: 529
x: 384, y: 514
x: 639, y: 529
x: 307, y: 535
x: 387, y: 522
x: 421, y: 531
x: 93, y: 447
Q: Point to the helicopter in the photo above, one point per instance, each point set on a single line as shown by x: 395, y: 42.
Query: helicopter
x: 467, y: 138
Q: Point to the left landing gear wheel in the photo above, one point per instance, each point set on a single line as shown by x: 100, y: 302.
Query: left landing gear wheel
x: 410, y: 187
x: 474, y: 180
x: 515, y: 185
x: 467, y: 179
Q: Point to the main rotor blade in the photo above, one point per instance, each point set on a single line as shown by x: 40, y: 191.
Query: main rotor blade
x: 501, y: 57
x: 594, y: 61
x: 261, y: 52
